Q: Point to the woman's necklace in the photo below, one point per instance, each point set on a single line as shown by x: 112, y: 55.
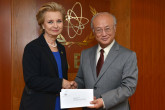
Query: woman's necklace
x: 55, y: 45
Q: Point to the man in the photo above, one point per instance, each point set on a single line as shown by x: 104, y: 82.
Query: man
x: 111, y: 72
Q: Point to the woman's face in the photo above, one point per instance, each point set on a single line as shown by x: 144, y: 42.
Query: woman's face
x: 53, y: 23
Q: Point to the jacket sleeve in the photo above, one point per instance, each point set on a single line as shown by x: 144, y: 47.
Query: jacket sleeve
x: 128, y: 84
x: 79, y: 77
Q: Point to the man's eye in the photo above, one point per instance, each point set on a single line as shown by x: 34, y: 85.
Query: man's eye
x: 99, y: 30
x: 107, y: 29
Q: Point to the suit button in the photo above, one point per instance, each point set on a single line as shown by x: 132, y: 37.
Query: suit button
x: 95, y: 88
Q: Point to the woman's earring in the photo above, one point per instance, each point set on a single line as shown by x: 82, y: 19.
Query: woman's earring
x: 43, y: 27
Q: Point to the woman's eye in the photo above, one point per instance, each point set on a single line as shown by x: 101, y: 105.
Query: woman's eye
x: 59, y: 21
x: 50, y: 22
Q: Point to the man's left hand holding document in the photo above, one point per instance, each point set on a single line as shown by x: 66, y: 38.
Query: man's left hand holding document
x: 72, y: 98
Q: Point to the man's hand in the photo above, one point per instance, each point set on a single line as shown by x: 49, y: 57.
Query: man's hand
x: 69, y: 84
x: 73, y: 85
x: 98, y: 103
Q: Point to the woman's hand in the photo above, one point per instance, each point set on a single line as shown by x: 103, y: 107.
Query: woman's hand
x: 66, y: 84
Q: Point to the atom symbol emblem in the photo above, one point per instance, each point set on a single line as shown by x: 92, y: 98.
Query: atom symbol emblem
x: 79, y: 26
x: 76, y: 27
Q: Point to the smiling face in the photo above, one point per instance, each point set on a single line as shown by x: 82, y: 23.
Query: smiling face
x: 53, y: 23
x: 104, y: 29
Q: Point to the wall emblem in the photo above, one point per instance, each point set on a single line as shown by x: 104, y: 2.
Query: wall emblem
x: 77, y: 26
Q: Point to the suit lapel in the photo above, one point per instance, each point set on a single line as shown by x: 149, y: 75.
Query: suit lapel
x: 109, y: 59
x: 92, y: 56
x: 61, y: 51
x: 49, y: 55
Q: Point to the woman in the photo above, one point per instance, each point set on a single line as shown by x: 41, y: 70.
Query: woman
x: 44, y: 62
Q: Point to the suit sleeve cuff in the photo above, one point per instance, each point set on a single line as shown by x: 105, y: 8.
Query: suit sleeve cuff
x: 103, y: 104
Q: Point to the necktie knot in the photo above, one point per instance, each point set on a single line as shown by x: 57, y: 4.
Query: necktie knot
x: 102, y: 51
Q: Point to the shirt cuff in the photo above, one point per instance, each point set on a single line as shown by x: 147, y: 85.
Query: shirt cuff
x: 103, y: 104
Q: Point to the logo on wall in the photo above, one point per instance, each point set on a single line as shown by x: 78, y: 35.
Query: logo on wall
x: 77, y: 34
x: 75, y: 26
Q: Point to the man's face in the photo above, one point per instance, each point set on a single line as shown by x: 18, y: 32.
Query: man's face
x: 104, y: 29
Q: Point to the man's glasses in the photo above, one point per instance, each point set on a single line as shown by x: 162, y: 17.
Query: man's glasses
x: 107, y: 30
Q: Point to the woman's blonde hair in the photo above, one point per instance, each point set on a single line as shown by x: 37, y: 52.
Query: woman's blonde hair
x: 50, y: 6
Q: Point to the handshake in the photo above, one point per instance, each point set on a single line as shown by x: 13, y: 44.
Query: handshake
x: 69, y: 84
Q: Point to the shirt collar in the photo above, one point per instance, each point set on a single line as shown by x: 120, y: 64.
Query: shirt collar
x: 107, y: 49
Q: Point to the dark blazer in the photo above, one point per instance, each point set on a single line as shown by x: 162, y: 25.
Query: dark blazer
x: 42, y: 83
x: 118, y: 77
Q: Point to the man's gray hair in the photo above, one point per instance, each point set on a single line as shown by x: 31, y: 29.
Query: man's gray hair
x: 114, y: 18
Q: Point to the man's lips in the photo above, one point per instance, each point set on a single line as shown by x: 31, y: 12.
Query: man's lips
x: 104, y: 39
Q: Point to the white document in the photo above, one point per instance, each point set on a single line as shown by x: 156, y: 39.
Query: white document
x: 72, y: 98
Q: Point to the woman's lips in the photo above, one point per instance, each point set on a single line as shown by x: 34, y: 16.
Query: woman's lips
x: 55, y: 30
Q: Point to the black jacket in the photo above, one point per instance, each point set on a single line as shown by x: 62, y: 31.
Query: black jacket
x: 42, y: 83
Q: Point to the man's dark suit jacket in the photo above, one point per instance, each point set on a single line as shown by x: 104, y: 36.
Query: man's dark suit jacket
x: 42, y: 83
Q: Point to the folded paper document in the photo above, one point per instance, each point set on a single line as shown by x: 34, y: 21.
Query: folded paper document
x: 72, y: 98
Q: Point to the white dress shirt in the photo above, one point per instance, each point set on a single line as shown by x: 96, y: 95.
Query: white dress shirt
x: 106, y: 51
